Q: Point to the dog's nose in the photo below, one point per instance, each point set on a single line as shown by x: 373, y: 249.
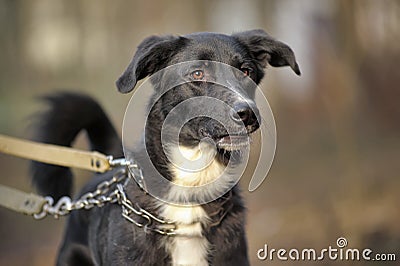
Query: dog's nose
x: 243, y: 113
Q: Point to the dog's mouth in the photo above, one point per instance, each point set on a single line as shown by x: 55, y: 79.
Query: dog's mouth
x: 233, y: 142
x: 229, y: 141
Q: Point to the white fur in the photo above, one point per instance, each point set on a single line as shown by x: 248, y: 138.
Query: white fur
x: 195, y: 166
x: 189, y: 246
x: 198, y: 174
x: 191, y: 167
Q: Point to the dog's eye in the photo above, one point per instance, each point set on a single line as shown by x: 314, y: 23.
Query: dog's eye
x: 197, y: 74
x: 246, y: 71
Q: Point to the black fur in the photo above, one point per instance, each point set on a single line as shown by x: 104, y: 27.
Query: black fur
x: 101, y: 236
x: 266, y: 49
x: 67, y: 115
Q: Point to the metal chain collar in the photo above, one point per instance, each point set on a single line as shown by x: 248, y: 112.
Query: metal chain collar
x: 152, y: 223
x: 111, y: 191
x: 97, y: 198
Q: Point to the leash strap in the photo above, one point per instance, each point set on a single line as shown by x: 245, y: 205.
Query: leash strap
x: 39, y: 207
x: 16, y: 200
x: 53, y: 154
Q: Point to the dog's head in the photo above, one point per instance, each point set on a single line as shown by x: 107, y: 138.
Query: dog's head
x: 247, y: 54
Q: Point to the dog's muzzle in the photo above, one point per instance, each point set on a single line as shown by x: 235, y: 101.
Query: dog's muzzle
x: 247, y: 118
x: 242, y: 112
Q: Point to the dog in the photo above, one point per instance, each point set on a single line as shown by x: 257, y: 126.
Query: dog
x: 211, y: 233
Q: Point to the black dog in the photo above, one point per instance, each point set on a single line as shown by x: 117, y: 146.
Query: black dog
x: 209, y: 234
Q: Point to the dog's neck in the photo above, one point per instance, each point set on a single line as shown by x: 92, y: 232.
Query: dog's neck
x: 194, y: 166
x: 189, y: 167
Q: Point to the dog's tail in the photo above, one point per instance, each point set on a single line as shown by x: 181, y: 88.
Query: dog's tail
x: 68, y: 114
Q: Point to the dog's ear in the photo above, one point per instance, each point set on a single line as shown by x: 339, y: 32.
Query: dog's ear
x: 266, y: 49
x: 152, y: 55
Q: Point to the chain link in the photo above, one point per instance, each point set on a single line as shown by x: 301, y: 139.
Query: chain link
x: 128, y: 210
x: 97, y: 198
x: 111, y: 191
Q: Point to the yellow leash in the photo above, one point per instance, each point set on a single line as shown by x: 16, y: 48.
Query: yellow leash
x: 32, y: 204
x: 26, y: 203
x: 53, y: 154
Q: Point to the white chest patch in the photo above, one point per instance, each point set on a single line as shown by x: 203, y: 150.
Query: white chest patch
x: 191, y: 167
x: 195, y: 166
x: 189, y: 246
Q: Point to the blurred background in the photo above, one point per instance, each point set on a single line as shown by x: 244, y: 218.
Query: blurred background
x: 336, y: 170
